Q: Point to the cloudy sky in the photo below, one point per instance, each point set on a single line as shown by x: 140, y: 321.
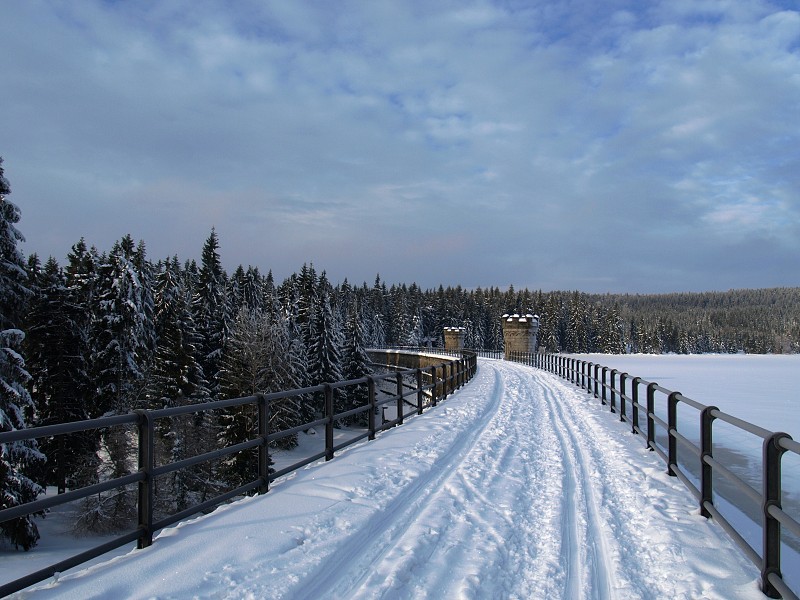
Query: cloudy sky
x: 603, y: 146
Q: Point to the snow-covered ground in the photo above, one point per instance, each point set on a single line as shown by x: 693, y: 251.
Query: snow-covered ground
x: 517, y: 486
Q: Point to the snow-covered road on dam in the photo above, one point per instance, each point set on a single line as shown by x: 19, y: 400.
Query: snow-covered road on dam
x: 517, y: 486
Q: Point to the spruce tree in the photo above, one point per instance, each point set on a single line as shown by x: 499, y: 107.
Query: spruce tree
x: 16, y: 405
x: 210, y: 311
x: 325, y: 364
x: 177, y: 380
x: 56, y: 348
x: 119, y: 332
x: 356, y: 364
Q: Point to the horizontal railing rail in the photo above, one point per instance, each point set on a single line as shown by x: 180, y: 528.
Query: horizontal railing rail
x: 418, y: 388
x: 620, y: 392
x: 483, y: 353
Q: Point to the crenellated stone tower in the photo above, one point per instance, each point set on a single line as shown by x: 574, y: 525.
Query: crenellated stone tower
x: 520, y: 333
x: 454, y: 338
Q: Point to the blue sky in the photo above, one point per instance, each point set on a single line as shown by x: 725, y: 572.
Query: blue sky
x: 616, y: 146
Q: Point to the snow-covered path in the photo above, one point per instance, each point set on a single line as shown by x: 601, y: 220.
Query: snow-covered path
x: 518, y: 486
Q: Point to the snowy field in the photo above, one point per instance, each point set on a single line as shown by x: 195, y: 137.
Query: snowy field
x: 517, y: 486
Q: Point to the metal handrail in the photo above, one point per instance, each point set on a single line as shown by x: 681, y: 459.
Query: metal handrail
x: 588, y: 376
x: 442, y: 380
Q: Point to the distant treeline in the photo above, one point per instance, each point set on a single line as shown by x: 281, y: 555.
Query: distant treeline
x: 757, y: 321
x: 753, y: 321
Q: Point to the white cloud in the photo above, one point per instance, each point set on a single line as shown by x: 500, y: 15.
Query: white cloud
x: 288, y: 124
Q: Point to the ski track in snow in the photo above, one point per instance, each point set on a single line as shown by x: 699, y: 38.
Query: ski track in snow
x: 519, y: 486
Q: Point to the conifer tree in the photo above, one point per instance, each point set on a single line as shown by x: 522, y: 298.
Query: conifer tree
x: 325, y: 365
x: 210, y: 311
x: 241, y: 374
x: 177, y: 380
x: 56, y: 348
x: 257, y: 359
x: 177, y: 375
x: 119, y: 331
x: 16, y: 405
x: 356, y: 364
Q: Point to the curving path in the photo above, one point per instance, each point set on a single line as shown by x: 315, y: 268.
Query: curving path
x: 518, y: 486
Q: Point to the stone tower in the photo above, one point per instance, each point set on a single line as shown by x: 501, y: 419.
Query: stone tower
x: 454, y: 338
x: 519, y: 333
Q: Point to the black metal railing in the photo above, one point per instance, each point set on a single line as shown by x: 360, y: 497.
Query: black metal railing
x: 483, y: 353
x: 426, y: 386
x: 663, y: 434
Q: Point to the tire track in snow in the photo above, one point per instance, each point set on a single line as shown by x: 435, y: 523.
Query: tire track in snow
x: 623, y: 502
x: 352, y: 561
x: 589, y: 566
x: 479, y: 527
x: 532, y: 500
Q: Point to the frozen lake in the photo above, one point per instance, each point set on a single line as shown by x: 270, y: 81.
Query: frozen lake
x: 762, y: 389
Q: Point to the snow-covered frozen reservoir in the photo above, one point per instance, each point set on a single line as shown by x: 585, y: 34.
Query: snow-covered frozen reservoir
x: 517, y: 486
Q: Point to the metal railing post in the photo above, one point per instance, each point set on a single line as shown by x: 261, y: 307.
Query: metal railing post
x: 590, y: 385
x: 706, y: 450
x: 672, y: 429
x: 613, y: 391
x: 771, y: 527
x: 419, y: 391
x: 328, y: 421
x: 596, y: 372
x: 263, y: 449
x: 603, y: 393
x: 146, y: 491
x: 622, y: 394
x: 583, y: 374
x: 434, y: 384
x: 399, y: 379
x: 373, y: 408
x: 635, y: 404
x: 651, y: 409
